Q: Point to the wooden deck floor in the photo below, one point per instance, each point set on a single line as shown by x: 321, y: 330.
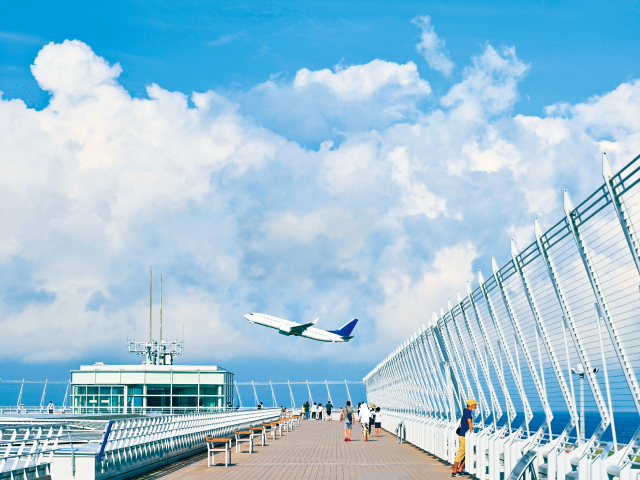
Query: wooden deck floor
x: 316, y: 450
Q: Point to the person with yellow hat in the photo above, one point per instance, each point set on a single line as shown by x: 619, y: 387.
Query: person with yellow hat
x: 466, y: 425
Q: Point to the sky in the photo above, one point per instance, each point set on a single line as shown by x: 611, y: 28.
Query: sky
x: 334, y: 160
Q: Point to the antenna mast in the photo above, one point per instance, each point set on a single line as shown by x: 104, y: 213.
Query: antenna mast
x: 160, y: 307
x: 150, y: 299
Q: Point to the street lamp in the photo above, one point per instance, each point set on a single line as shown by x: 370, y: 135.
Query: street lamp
x: 580, y: 371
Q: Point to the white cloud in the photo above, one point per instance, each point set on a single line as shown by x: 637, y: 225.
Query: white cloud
x: 326, y: 104
x: 490, y: 84
x: 359, y: 82
x: 431, y: 47
x: 383, y: 225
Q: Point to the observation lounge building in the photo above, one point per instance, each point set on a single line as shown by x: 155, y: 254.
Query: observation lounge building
x: 148, y: 388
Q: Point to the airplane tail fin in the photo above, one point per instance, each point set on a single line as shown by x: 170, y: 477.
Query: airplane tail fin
x: 346, y: 329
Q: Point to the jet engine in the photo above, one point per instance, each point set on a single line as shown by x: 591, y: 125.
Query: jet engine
x: 285, y: 330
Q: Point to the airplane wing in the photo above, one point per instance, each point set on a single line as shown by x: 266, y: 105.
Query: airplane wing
x: 300, y: 329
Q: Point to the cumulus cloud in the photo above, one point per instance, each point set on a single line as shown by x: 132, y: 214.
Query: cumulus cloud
x: 245, y: 213
x: 432, y: 47
x: 327, y: 104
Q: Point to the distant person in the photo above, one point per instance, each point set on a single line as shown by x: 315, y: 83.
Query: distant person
x: 305, y: 410
x: 50, y: 407
x: 314, y: 410
x: 260, y: 406
x: 365, y: 415
x: 466, y: 425
x: 347, y: 418
x: 282, y: 409
x: 329, y: 408
x: 319, y: 417
x: 378, y: 422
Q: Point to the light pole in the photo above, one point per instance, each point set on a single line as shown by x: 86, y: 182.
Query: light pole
x: 580, y: 371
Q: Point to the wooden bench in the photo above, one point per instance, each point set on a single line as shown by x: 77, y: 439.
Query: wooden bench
x: 273, y: 428
x: 260, y: 431
x: 240, y: 439
x: 211, y: 449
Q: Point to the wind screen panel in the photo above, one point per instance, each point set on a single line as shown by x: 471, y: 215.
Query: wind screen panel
x: 619, y: 282
x: 541, y: 361
x: 437, y: 362
x: 493, y: 342
x: 467, y: 354
x: 550, y: 313
x: 445, y: 326
x: 502, y: 316
x: 482, y: 350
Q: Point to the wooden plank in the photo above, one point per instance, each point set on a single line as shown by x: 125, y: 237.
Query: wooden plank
x: 315, y: 450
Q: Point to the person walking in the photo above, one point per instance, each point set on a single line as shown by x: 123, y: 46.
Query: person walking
x: 329, y: 408
x: 346, y: 417
x: 378, y: 422
x: 50, y: 407
x: 365, y: 415
x: 466, y: 425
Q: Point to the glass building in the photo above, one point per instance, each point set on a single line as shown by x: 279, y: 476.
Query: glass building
x: 101, y: 388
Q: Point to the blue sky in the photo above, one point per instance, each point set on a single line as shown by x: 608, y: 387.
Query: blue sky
x: 335, y: 160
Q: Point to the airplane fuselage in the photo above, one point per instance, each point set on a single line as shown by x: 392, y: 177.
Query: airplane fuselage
x: 285, y: 328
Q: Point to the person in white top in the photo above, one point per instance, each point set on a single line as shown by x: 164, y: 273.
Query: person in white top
x: 378, y: 422
x: 314, y: 410
x: 365, y: 415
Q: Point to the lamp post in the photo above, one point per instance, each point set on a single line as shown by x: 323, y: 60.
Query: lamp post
x: 580, y: 371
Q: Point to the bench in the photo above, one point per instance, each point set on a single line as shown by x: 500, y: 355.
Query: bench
x: 260, y: 431
x: 211, y: 449
x: 240, y: 439
x: 273, y: 428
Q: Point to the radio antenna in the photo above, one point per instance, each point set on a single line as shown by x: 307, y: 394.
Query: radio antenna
x: 150, y: 303
x: 160, y: 307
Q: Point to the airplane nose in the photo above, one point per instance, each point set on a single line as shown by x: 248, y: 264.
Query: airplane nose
x: 249, y: 316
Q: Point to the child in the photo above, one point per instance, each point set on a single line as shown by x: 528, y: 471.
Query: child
x: 378, y: 422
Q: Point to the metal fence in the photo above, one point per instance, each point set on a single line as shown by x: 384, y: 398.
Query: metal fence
x: 548, y: 345
x: 90, y: 449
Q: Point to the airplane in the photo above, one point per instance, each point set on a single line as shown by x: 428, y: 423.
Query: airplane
x: 287, y: 327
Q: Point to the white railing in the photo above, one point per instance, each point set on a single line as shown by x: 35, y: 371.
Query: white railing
x: 567, y: 307
x: 26, y: 451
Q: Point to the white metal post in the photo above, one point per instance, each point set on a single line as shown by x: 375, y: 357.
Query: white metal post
x: 606, y: 381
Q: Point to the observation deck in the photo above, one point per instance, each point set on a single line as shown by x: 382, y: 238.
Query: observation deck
x: 316, y: 450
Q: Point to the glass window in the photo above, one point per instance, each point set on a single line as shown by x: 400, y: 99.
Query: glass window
x: 208, y: 402
x: 185, y: 390
x: 135, y: 389
x: 81, y: 390
x: 158, y: 401
x: 105, y: 390
x: 105, y: 401
x: 80, y: 401
x: 185, y: 401
x: 208, y: 389
x: 92, y: 401
x: 92, y: 390
x: 117, y: 390
x: 117, y: 401
x: 137, y: 401
x: 158, y: 389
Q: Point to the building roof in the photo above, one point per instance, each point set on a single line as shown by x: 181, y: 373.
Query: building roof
x: 151, y: 368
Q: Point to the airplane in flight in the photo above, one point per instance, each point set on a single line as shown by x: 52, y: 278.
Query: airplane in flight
x: 287, y: 327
